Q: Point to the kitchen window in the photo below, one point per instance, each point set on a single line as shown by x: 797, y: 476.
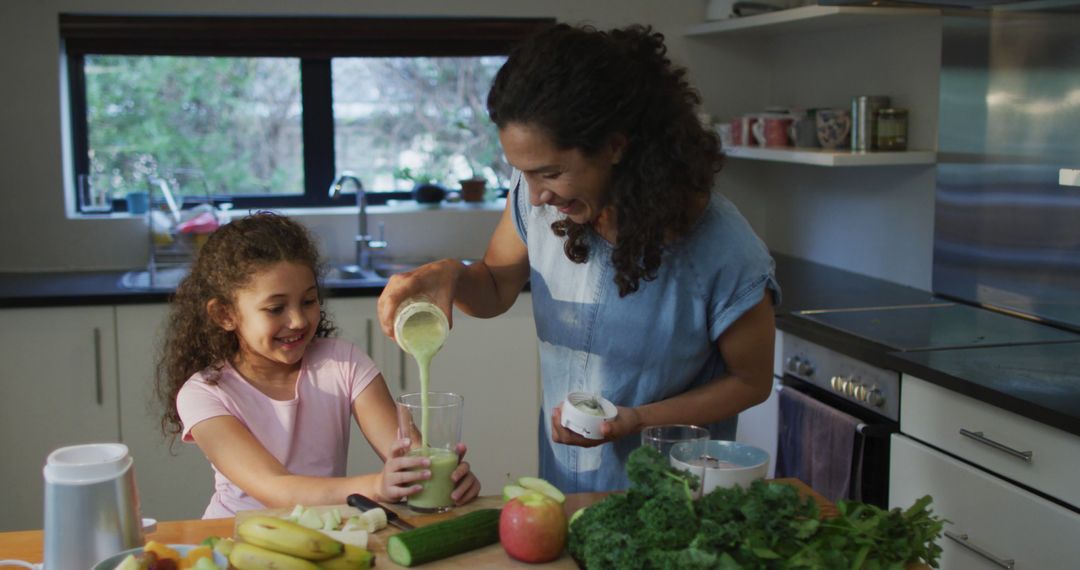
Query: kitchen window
x: 263, y: 112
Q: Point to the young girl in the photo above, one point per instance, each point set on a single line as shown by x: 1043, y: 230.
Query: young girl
x: 250, y: 374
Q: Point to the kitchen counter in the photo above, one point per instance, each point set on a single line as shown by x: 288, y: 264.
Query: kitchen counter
x: 1047, y: 398
x: 27, y: 545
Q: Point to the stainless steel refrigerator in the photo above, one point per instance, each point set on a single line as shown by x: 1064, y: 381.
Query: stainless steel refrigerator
x: 1007, y: 216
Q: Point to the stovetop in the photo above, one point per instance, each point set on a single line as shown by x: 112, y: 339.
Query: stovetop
x: 938, y: 326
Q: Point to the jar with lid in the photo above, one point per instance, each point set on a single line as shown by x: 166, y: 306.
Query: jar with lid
x: 892, y: 126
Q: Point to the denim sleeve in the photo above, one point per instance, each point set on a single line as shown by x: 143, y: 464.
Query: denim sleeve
x: 743, y: 288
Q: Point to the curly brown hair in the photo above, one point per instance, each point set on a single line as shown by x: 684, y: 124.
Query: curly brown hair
x: 225, y: 263
x: 582, y: 86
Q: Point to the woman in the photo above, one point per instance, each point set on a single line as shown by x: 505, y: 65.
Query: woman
x: 647, y: 287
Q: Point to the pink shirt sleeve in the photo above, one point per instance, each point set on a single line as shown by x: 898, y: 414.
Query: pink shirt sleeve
x: 198, y: 401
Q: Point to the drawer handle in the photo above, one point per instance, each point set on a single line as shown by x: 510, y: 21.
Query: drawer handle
x: 979, y: 437
x: 99, y: 389
x: 962, y: 540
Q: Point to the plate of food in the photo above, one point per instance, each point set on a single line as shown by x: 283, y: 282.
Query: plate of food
x: 155, y: 555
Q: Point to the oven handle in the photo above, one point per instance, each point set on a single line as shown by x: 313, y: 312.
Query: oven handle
x: 873, y: 431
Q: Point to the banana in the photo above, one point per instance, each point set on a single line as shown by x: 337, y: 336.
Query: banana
x: 354, y: 558
x: 246, y: 556
x: 289, y: 538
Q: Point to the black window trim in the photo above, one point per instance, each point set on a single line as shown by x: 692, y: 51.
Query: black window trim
x: 314, y: 40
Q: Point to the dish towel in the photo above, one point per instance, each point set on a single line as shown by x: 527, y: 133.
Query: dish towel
x: 817, y: 445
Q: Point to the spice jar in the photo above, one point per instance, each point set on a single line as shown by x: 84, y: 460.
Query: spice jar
x: 891, y: 129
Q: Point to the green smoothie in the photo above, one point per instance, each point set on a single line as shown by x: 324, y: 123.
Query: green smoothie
x: 435, y: 497
x: 422, y: 335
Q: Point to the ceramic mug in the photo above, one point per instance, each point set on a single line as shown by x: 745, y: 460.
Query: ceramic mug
x: 803, y: 129
x: 833, y: 127
x: 771, y: 130
x: 742, y: 130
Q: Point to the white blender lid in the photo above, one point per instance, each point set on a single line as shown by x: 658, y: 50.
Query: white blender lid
x: 87, y: 463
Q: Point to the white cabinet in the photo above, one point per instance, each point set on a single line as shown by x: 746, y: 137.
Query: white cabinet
x: 58, y: 388
x: 493, y: 363
x: 175, y: 481
x: 991, y: 521
x: 1044, y: 458
x: 760, y: 425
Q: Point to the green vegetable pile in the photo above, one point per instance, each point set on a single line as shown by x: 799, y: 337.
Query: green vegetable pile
x: 658, y: 525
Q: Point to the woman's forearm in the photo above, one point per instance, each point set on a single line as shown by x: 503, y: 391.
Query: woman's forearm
x: 712, y: 402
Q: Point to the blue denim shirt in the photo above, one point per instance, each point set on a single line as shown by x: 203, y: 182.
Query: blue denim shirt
x: 648, y: 346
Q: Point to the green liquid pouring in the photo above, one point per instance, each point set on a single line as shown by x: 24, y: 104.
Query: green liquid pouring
x: 422, y: 335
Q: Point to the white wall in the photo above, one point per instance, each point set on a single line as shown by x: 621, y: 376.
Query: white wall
x: 873, y: 221
x: 36, y: 227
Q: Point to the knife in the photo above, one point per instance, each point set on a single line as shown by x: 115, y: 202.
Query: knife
x: 365, y: 504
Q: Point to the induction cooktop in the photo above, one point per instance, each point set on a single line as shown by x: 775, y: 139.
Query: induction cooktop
x: 938, y: 326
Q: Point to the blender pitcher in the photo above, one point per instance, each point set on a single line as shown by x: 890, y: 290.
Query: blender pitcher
x: 91, y: 505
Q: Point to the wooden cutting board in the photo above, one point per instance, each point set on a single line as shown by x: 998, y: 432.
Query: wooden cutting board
x: 492, y: 556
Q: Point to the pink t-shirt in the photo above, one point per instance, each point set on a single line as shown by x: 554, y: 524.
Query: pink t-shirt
x: 309, y: 434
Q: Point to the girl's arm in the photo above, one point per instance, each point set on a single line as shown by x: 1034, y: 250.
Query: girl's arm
x: 231, y: 447
x: 747, y: 349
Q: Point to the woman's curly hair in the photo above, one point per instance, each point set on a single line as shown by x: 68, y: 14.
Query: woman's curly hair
x: 582, y: 86
x: 225, y: 263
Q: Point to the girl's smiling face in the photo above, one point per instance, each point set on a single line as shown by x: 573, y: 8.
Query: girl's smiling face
x: 574, y: 183
x: 275, y: 316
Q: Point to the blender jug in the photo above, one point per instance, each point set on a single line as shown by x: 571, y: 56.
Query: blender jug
x: 91, y: 505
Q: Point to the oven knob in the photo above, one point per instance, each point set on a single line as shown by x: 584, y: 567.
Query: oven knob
x: 834, y: 382
x: 850, y: 388
x: 805, y: 368
x: 875, y: 398
x: 861, y: 392
x: 841, y: 384
x: 792, y: 363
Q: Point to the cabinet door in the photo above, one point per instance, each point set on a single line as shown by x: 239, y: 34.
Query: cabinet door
x: 357, y: 322
x: 991, y: 521
x: 175, y: 482
x: 58, y: 388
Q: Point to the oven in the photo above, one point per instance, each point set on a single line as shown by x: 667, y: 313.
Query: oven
x: 836, y: 415
x: 859, y: 403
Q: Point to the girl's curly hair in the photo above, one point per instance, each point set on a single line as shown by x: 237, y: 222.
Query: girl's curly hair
x: 225, y: 263
x: 582, y: 86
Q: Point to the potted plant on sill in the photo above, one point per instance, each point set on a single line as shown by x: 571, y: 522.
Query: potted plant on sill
x: 473, y: 189
x: 426, y: 189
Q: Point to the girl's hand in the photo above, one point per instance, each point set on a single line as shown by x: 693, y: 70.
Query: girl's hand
x: 401, y: 473
x: 437, y: 280
x: 466, y: 485
x: 626, y: 422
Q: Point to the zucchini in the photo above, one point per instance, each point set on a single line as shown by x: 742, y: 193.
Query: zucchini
x: 447, y: 538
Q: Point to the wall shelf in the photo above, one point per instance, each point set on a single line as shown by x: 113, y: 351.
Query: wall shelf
x: 807, y: 18
x: 822, y: 157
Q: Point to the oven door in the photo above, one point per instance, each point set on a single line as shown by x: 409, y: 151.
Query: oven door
x: 811, y: 444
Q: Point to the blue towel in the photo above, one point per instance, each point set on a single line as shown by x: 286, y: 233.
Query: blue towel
x: 817, y: 445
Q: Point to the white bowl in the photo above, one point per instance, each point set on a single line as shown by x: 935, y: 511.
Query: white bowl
x: 113, y: 561
x: 727, y: 463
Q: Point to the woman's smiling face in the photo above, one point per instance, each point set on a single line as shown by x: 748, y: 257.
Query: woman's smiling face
x: 575, y: 184
x: 276, y: 314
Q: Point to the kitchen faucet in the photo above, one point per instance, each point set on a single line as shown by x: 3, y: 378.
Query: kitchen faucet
x: 364, y: 242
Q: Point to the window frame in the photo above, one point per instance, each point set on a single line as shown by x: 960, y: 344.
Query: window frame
x: 315, y: 41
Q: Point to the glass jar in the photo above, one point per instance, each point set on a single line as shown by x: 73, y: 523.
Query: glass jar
x: 891, y: 129
x: 419, y: 324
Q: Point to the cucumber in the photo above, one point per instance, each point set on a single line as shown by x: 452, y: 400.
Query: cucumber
x: 447, y: 538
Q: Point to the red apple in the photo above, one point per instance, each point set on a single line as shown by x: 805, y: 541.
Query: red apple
x: 532, y: 528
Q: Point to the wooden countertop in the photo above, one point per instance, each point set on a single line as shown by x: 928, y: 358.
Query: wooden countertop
x: 27, y: 545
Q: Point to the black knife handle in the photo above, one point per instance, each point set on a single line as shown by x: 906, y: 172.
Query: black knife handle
x: 365, y: 504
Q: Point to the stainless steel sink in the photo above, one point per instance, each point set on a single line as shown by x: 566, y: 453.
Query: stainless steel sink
x: 378, y: 275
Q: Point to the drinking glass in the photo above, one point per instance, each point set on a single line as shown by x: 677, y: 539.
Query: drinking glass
x: 683, y: 445
x: 435, y: 437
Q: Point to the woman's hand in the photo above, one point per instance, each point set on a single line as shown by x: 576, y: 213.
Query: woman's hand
x: 466, y: 485
x: 626, y: 422
x: 437, y: 280
x: 402, y: 473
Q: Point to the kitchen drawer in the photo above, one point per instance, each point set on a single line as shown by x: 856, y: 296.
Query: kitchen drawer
x: 986, y: 514
x: 937, y: 415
